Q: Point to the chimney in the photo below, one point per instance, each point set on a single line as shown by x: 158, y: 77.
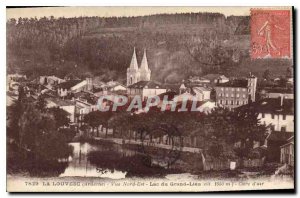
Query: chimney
x: 281, y: 100
x: 89, y: 84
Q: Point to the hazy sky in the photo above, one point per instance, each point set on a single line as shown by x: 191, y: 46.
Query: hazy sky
x: 117, y: 11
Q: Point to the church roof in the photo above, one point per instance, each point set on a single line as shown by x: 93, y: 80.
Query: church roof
x: 146, y: 85
x: 144, y: 64
x: 133, y: 63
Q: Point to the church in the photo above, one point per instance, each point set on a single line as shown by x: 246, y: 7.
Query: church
x: 136, y: 74
x: 139, y: 79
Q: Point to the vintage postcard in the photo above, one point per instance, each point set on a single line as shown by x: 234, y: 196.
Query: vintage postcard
x: 150, y: 99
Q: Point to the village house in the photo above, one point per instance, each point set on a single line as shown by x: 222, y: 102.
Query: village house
x: 74, y: 86
x: 215, y: 78
x: 276, y: 112
x: 279, y: 92
x: 236, y: 92
x: 278, y: 115
x: 206, y: 106
x: 50, y: 81
x: 67, y: 105
x: 145, y: 89
x: 287, y: 152
x: 203, y: 92
x: 200, y: 92
x: 13, y: 81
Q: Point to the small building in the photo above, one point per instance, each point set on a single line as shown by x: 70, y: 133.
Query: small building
x: 145, y: 89
x: 67, y: 105
x: 186, y: 97
x: 276, y: 112
x: 206, y: 107
x: 74, y: 86
x: 215, y: 78
x: 279, y: 92
x: 204, y: 92
x: 287, y: 152
x: 50, y: 81
x: 273, y: 142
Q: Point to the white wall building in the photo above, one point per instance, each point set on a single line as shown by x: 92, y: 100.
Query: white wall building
x: 67, y: 105
x: 276, y: 112
x: 145, y: 89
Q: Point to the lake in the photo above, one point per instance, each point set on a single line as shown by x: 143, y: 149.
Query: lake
x: 114, y: 161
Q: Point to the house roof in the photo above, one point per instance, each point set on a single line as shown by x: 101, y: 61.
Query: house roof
x: 280, y: 136
x: 280, y: 90
x: 170, y: 94
x: 86, y: 96
x: 146, y: 85
x: 61, y: 102
x: 212, y: 76
x: 172, y: 87
x: 71, y: 76
x: 68, y: 84
x: 272, y: 105
x: 202, y: 89
x: 234, y: 83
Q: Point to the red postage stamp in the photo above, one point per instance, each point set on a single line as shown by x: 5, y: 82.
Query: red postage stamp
x: 270, y: 33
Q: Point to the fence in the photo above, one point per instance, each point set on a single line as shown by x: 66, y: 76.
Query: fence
x: 225, y: 164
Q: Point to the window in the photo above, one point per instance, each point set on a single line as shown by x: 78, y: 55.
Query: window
x: 226, y: 102
x: 232, y: 95
x: 283, y: 129
x: 232, y: 89
x: 272, y: 115
x: 226, y: 95
x: 231, y: 102
x: 222, y: 89
x: 283, y: 117
x: 220, y: 94
x: 237, y: 95
x: 238, y: 102
x: 238, y: 89
x: 220, y: 101
x: 244, y: 96
x: 244, y: 89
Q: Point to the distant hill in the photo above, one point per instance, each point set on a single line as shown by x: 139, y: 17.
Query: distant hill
x: 178, y: 46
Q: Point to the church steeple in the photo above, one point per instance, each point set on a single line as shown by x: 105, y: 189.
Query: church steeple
x: 136, y: 74
x: 144, y: 64
x: 134, y: 63
x: 144, y: 69
x: 133, y: 73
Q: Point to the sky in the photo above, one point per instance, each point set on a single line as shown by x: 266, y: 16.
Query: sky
x: 117, y: 11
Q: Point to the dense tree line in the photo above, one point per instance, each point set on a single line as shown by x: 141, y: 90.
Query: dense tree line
x: 37, y: 136
x: 180, y: 43
x: 220, y: 134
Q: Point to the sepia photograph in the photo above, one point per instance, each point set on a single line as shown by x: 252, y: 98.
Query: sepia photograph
x: 150, y: 99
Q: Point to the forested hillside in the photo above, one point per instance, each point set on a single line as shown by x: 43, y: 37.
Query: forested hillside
x: 178, y: 45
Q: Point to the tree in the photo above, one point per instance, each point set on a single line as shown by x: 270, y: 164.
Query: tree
x: 60, y: 117
x: 267, y: 75
x: 41, y: 103
x: 94, y: 120
x: 247, y: 129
